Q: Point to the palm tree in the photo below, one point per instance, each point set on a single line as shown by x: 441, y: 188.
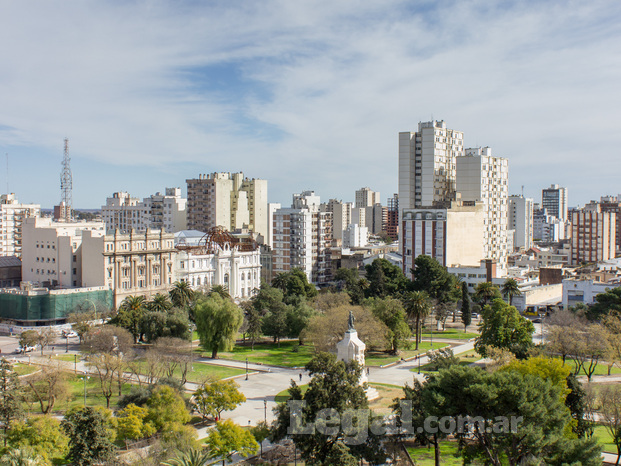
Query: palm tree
x: 417, y: 307
x: 131, y: 311
x: 189, y: 458
x: 510, y: 288
x: 221, y: 290
x: 181, y: 294
x: 160, y: 303
x: 280, y: 281
x: 484, y: 292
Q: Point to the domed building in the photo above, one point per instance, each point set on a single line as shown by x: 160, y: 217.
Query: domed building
x: 215, y: 258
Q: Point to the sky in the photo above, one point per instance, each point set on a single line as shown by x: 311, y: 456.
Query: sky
x: 306, y: 94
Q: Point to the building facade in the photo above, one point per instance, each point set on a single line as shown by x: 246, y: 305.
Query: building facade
x: 485, y: 178
x: 554, y: 200
x: 302, y: 238
x: 427, y: 166
x: 217, y: 258
x: 228, y: 200
x: 453, y: 235
x: 159, y: 211
x: 593, y: 235
x: 365, y: 197
x: 341, y: 216
x: 392, y: 217
x: 52, y: 253
x: 12, y: 216
x: 613, y: 204
x: 520, y: 219
x: 130, y: 264
x: 355, y: 236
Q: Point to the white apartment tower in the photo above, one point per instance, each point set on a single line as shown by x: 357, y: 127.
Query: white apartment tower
x: 521, y: 220
x: 230, y: 201
x: 302, y: 238
x: 365, y: 197
x: 12, y: 215
x: 482, y: 177
x: 160, y: 212
x: 554, y: 200
x: 341, y: 216
x: 427, y: 166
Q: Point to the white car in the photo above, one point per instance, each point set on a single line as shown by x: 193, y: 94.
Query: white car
x: 69, y: 334
x: 27, y: 349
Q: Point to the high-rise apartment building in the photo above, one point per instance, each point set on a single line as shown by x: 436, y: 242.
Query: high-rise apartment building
x: 158, y: 211
x: 392, y: 217
x: 302, y: 238
x: 365, y: 197
x: 228, y: 200
x: 483, y: 177
x: 12, y: 215
x: 427, y: 166
x: 554, y: 200
x: 613, y: 204
x: 593, y: 235
x: 521, y: 221
x: 341, y: 216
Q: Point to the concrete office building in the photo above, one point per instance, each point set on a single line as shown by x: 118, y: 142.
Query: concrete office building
x: 228, y: 200
x: 521, y: 220
x: 12, y: 216
x: 554, y: 200
x: 453, y: 234
x: 52, y: 252
x: 483, y: 177
x: 302, y: 238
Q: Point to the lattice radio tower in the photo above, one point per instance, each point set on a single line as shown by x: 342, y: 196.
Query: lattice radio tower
x: 66, y: 186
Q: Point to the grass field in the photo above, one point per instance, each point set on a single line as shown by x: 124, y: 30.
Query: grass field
x: 65, y: 357
x: 464, y: 359
x: 289, y: 354
x: 24, y: 369
x: 450, y: 333
x: 201, y: 372
x: 424, y: 456
x: 379, y: 359
x: 605, y: 440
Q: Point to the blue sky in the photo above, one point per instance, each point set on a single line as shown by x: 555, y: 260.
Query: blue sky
x: 308, y: 95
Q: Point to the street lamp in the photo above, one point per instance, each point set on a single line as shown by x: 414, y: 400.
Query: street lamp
x: 66, y: 343
x: 431, y: 327
x: 246, y: 368
x: 542, y: 315
x: 265, y: 410
x: 419, y: 363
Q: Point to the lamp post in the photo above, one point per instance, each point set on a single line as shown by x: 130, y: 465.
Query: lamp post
x: 431, y: 327
x: 246, y: 368
x: 66, y: 343
x: 542, y: 315
x: 265, y: 410
x: 75, y: 363
x: 419, y: 363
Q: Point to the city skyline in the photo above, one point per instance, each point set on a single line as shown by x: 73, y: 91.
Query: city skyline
x: 306, y: 96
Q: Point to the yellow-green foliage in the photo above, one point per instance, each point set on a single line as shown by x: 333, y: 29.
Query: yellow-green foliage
x: 42, y: 435
x: 166, y: 407
x: 546, y: 368
x: 131, y: 423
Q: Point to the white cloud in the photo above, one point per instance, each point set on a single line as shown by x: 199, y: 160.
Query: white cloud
x: 322, y: 88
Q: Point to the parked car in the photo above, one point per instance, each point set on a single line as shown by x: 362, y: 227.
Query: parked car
x: 69, y: 334
x: 27, y: 349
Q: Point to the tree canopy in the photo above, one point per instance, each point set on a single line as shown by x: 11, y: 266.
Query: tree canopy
x: 430, y: 276
x: 217, y: 321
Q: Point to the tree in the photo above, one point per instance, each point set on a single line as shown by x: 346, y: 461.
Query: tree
x: 485, y: 293
x: 108, y: 367
x: 214, y: 397
x: 160, y: 303
x: 349, y: 281
x: 45, y: 338
x: 254, y: 324
x: 48, y: 386
x: 192, y: 457
x: 326, y: 301
x: 260, y: 432
x: 228, y: 439
x: 174, y: 355
x: 11, y: 396
x: 326, y: 330
x: 217, y: 322
x: 181, y: 294
x: 43, y: 435
x: 171, y: 323
x: 334, y: 385
x: 563, y: 340
x: 81, y: 323
x: 503, y: 327
x: 390, y: 311
x: 466, y: 315
x: 28, y: 338
x: 274, y: 323
x: 610, y: 411
x: 430, y: 276
x: 605, y: 303
x: 443, y: 359
x: 580, y: 403
x: 510, y: 289
x: 166, y: 407
x: 131, y: 312
x: 385, y: 279
x: 416, y: 304
x: 590, y: 347
x: 131, y: 423
x: 219, y: 290
x: 548, y: 369
x: 88, y: 434
x: 294, y: 285
x: 297, y: 318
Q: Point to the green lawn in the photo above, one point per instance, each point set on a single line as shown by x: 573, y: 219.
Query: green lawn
x: 424, y: 456
x: 65, y: 357
x: 289, y: 354
x: 450, y: 333
x: 283, y: 396
x: 24, y: 369
x: 201, y: 372
x: 601, y: 369
x: 380, y: 359
x: 605, y: 440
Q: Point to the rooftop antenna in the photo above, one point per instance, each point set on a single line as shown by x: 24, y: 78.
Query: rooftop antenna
x: 7, y: 173
x: 522, y: 190
x: 66, y: 186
